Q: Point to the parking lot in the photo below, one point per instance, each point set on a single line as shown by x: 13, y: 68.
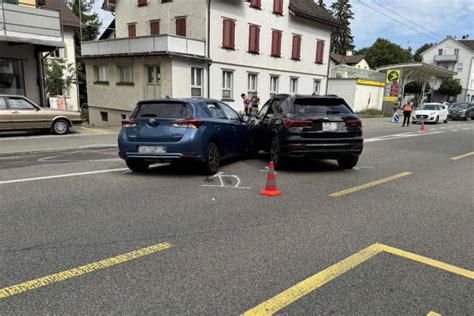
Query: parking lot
x: 80, y: 233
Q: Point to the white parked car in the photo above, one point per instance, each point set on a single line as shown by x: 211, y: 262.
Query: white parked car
x: 431, y: 112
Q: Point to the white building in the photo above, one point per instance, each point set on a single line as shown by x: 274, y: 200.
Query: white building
x: 458, y: 56
x: 358, y: 61
x: 200, y: 48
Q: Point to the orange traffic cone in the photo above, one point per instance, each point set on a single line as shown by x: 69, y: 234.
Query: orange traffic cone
x: 422, y: 127
x: 270, y: 187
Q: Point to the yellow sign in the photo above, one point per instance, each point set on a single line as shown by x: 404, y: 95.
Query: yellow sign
x: 390, y: 99
x: 393, y: 75
x: 371, y: 82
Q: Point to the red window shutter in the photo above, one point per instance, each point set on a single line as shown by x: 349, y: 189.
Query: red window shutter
x: 278, y: 6
x: 296, y: 49
x: 132, y: 30
x: 181, y: 26
x: 228, y: 34
x: 254, y: 39
x: 276, y: 43
x: 155, y: 28
x: 142, y: 3
x: 319, y: 51
x: 256, y: 4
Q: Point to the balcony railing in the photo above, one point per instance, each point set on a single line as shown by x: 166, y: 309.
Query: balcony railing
x: 446, y: 58
x: 144, y: 45
x: 28, y: 24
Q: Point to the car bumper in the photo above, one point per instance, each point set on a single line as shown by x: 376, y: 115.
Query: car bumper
x: 457, y: 116
x: 323, y: 150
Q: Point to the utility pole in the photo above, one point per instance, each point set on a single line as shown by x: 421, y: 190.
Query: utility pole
x: 80, y: 20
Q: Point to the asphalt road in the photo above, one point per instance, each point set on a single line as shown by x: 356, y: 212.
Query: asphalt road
x: 223, y: 249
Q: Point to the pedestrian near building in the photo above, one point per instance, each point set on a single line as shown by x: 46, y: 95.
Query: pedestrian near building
x: 254, y: 106
x: 246, y: 102
x: 407, y: 109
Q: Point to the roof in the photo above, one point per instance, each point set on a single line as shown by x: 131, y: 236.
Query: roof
x: 350, y: 72
x: 308, y: 9
x: 420, y: 71
x: 348, y: 60
x: 109, y: 30
x: 68, y: 18
x: 468, y: 43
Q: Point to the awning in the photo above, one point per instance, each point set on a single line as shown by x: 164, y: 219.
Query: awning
x: 420, y: 71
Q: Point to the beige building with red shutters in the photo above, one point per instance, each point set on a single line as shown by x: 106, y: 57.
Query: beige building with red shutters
x: 201, y: 48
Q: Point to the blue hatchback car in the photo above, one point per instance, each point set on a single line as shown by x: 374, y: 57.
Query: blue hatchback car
x: 172, y: 130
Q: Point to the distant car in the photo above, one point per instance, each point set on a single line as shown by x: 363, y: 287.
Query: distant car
x: 324, y: 127
x: 178, y: 130
x: 431, y: 112
x: 20, y: 113
x: 461, y: 110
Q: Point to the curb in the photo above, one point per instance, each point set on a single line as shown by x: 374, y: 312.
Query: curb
x: 54, y: 150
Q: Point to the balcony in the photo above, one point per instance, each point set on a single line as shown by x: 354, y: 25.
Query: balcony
x: 446, y: 58
x: 28, y: 24
x: 147, y: 45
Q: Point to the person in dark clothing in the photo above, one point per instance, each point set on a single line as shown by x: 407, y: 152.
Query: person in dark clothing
x: 254, y: 106
x: 407, y: 109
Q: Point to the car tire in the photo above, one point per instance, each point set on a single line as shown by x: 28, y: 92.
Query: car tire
x: 437, y: 120
x: 213, y: 159
x: 279, y: 161
x: 137, y: 165
x: 347, y: 162
x: 60, y: 127
x: 445, y: 121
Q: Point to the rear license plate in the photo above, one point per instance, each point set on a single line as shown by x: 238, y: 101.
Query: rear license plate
x: 151, y: 149
x: 330, y: 126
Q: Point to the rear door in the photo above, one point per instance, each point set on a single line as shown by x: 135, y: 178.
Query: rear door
x: 5, y: 115
x: 154, y: 121
x: 238, y: 130
x: 26, y: 115
x: 221, y: 126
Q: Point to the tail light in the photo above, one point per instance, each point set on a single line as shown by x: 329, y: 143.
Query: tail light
x: 296, y: 123
x: 129, y: 123
x: 192, y: 123
x: 356, y: 123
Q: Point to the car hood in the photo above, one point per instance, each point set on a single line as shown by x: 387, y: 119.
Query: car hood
x: 70, y: 114
x: 425, y: 112
x: 457, y: 110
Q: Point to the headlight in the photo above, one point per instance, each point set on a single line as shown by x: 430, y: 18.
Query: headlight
x: 433, y: 113
x: 463, y: 111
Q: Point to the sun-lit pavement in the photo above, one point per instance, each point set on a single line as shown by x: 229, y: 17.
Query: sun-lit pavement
x: 82, y: 234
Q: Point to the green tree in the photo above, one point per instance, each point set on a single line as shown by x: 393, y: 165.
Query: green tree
x: 450, y: 87
x: 383, y: 52
x: 59, y: 76
x: 90, y: 30
x: 342, y: 39
x: 417, y: 57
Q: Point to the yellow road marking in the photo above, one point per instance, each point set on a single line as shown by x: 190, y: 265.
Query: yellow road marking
x: 370, y: 184
x: 433, y: 314
x: 95, y: 130
x: 64, y: 275
x: 285, y: 298
x: 462, y: 156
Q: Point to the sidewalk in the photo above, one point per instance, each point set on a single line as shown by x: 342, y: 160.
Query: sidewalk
x: 79, y: 138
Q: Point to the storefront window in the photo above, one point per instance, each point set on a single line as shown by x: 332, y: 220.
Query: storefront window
x: 11, y: 77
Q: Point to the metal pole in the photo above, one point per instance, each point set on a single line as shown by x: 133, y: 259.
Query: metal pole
x: 80, y: 20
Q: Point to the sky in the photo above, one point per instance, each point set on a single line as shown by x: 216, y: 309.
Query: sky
x: 404, y: 22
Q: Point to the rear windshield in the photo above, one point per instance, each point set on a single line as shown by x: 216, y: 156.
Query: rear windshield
x: 320, y: 106
x: 172, y: 110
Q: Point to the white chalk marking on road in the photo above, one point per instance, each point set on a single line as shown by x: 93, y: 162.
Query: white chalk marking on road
x: 466, y: 129
x: 62, y: 176
x: 454, y: 130
x: 399, y: 136
x: 221, y: 177
x: 57, y: 156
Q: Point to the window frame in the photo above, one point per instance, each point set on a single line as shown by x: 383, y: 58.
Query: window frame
x: 194, y: 79
x: 132, y: 29
x: 256, y: 4
x: 230, y: 44
x: 98, y: 74
x: 254, y: 46
x: 252, y: 92
x: 295, y: 86
x: 142, y: 3
x: 317, y: 82
x: 152, y: 24
x: 278, y: 7
x: 119, y: 70
x: 296, y: 47
x: 9, y: 104
x: 276, y: 43
x: 273, y: 83
x: 178, y: 20
x: 230, y: 87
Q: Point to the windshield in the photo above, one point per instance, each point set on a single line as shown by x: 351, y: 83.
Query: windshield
x: 459, y: 106
x: 429, y: 106
x: 320, y: 106
x: 171, y: 110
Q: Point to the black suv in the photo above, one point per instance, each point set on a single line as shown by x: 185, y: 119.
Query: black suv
x: 302, y: 126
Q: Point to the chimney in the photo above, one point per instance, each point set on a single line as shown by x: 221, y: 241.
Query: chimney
x: 465, y: 37
x: 349, y: 53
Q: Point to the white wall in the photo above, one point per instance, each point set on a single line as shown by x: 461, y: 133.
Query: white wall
x: 362, y: 95
x: 181, y: 77
x: 345, y: 88
x: 73, y: 92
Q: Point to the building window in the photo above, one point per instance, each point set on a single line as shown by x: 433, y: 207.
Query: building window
x: 293, y: 85
x: 316, y: 87
x: 132, y: 30
x: 181, y: 26
x: 278, y: 6
x: 459, y: 66
x: 319, y: 52
x: 100, y: 73
x: 142, y: 3
x: 228, y: 34
x: 155, y: 27
x: 196, y: 82
x: 252, y: 85
x: 254, y: 39
x: 123, y: 116
x: 227, y: 84
x: 440, y: 51
x: 104, y: 116
x: 276, y: 43
x: 296, y: 49
x: 125, y: 73
x: 456, y: 51
x: 257, y: 4
x: 11, y: 76
x: 274, y: 83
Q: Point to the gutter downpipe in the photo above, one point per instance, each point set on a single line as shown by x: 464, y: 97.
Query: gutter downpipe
x: 329, y: 61
x: 209, y: 49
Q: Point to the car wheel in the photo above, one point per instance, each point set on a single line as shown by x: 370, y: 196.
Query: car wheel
x: 60, y: 127
x: 137, y: 165
x: 279, y: 161
x: 347, y: 162
x: 213, y: 160
x: 437, y: 120
x: 445, y: 121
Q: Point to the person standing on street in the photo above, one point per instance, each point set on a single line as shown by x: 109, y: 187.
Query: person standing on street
x: 246, y: 103
x: 254, y: 106
x: 407, y: 109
